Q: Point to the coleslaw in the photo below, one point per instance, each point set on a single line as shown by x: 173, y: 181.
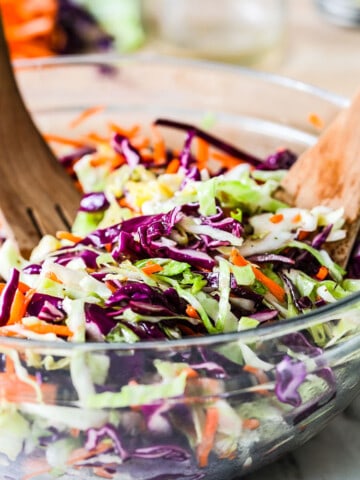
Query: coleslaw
x: 166, y: 245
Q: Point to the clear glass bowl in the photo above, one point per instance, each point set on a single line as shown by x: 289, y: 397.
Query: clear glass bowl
x: 46, y: 423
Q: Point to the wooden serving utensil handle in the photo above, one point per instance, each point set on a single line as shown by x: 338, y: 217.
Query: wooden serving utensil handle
x: 328, y: 173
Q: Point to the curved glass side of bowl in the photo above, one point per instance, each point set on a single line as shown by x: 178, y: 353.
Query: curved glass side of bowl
x: 199, y: 408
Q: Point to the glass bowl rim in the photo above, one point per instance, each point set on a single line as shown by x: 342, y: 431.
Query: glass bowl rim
x: 265, y: 332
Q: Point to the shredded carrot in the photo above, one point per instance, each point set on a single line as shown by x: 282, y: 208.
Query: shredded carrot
x: 277, y: 218
x: 110, y: 286
x: 237, y: 259
x: 15, y: 390
x: 228, y: 161
x: 173, y: 166
x: 102, y: 472
x: 5, y: 332
x: 208, y: 437
x: 30, y: 26
x: 123, y: 131
x: 322, y: 273
x: 261, y: 377
x: 124, y: 203
x: 251, y: 423
x: 158, y: 145
x: 52, y: 276
x: 95, y: 137
x: 81, y: 454
x: 108, y: 247
x: 151, y: 268
x: 98, y: 160
x: 315, y: 120
x: 117, y: 161
x: 43, y: 328
x: 9, y: 365
x: 140, y: 143
x: 23, y: 287
x: 190, y: 372
x: 203, y: 149
x: 85, y: 114
x: 50, y: 137
x: 18, y: 308
x: 191, y: 312
x: 2, y: 286
x: 250, y: 369
x: 63, y: 235
x: 272, y: 286
x: 296, y: 218
x: 302, y: 235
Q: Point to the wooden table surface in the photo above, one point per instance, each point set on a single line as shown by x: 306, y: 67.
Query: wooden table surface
x: 329, y: 57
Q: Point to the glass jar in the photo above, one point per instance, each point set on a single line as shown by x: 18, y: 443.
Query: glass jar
x: 240, y: 31
x: 345, y: 13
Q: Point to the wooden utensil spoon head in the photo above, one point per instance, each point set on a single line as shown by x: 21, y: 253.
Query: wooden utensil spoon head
x: 328, y: 174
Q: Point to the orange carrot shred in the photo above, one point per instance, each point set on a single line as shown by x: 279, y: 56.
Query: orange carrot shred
x: 272, y: 286
x: 95, y: 137
x: 42, y: 328
x: 88, y: 112
x: 23, y: 287
x: 141, y: 142
x: 237, y: 259
x: 228, y: 161
x: 302, y: 235
x: 191, y: 312
x: 173, y: 166
x: 259, y: 374
x: 82, y: 453
x: 9, y: 365
x: 208, y: 437
x: 315, y: 120
x: 322, y: 273
x: 52, y: 276
x: 63, y: 235
x: 296, y: 218
x: 64, y: 140
x: 277, y: 218
x: 151, y: 268
x: 202, y: 153
x: 123, y: 131
x: 108, y: 247
x: 110, y: 286
x: 158, y: 146
x: 251, y: 423
x: 18, y: 308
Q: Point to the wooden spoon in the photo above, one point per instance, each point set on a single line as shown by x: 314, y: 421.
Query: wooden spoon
x: 329, y: 174
x: 36, y: 195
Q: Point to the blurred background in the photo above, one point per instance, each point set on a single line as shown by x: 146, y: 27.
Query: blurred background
x: 316, y: 41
